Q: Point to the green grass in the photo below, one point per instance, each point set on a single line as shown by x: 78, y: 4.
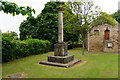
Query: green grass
x: 96, y: 66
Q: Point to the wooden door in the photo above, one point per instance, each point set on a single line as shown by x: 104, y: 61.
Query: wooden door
x: 107, y: 34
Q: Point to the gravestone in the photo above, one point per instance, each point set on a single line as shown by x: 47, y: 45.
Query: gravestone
x: 60, y: 57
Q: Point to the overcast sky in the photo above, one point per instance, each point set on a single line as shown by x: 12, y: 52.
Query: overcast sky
x: 8, y: 22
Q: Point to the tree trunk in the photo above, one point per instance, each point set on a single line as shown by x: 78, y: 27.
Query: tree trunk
x: 83, y: 48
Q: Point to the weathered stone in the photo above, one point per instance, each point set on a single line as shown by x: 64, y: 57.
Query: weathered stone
x: 60, y: 28
x: 60, y: 49
x: 60, y: 64
x: 98, y: 42
x: 61, y: 59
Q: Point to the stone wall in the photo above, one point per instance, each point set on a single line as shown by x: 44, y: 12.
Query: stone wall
x: 97, y: 42
x: 113, y: 49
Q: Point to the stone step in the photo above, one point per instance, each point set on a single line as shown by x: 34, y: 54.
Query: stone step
x: 60, y: 64
x: 60, y: 59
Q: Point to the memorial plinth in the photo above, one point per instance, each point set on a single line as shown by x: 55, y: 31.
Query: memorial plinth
x: 60, y: 49
x: 60, y: 57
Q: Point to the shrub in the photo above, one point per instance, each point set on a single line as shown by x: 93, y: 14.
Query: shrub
x: 16, y: 49
x: 10, y: 36
x: 7, y: 51
x: 37, y: 46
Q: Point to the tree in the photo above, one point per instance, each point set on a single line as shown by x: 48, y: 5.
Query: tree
x: 69, y: 25
x: 28, y: 29
x: 48, y: 22
x: 87, y: 17
x: 116, y: 16
x: 104, y: 18
x: 86, y: 13
x: 45, y: 25
x: 12, y: 8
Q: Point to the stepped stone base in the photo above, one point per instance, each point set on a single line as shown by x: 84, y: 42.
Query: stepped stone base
x: 60, y: 64
x: 61, y: 59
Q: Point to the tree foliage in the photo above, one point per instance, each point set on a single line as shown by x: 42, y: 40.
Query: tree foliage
x: 45, y: 25
x: 104, y: 18
x: 48, y: 22
x: 12, y: 8
x: 69, y: 24
x: 28, y: 28
x: 87, y: 17
x: 116, y: 16
x: 10, y: 35
x: 86, y: 13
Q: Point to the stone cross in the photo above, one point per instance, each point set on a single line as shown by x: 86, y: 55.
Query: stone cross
x: 60, y: 57
x: 60, y: 49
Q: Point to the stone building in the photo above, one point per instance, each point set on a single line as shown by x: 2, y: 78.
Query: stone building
x: 103, y: 38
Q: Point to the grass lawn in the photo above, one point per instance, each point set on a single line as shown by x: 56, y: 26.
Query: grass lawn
x: 92, y: 66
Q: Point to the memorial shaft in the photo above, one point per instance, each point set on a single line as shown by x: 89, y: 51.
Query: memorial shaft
x: 60, y: 26
x: 60, y: 48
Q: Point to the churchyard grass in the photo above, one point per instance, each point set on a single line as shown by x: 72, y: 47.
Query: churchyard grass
x: 92, y: 66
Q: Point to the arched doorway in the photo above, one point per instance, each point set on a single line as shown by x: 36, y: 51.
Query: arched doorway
x: 107, y: 34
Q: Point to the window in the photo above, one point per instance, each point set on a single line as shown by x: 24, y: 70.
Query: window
x: 96, y: 32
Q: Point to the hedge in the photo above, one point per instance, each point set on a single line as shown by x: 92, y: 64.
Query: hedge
x: 16, y: 49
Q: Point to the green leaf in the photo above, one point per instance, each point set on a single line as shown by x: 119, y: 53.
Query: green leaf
x: 18, y: 12
x: 23, y: 12
x: 13, y: 8
x: 13, y: 14
x: 34, y: 11
x: 21, y: 7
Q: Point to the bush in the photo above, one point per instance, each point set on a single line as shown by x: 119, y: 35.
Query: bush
x: 37, y: 46
x: 10, y: 36
x: 16, y: 49
x: 7, y: 51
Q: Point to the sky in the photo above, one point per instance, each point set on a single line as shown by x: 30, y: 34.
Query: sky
x: 12, y: 23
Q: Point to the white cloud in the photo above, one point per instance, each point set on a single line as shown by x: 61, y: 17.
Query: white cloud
x: 109, y: 6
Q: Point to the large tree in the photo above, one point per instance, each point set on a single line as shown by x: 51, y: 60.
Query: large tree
x: 69, y: 21
x: 86, y: 13
x: 14, y: 9
x: 45, y: 25
x: 87, y: 17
